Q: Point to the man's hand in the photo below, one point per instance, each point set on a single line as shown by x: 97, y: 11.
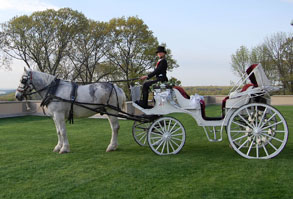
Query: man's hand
x: 143, y: 77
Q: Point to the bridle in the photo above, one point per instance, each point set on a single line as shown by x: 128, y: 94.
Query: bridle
x: 26, y: 87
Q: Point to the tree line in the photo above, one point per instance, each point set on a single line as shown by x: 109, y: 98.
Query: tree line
x: 66, y: 43
x: 275, y: 54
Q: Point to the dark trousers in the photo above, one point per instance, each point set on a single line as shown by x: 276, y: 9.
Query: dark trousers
x: 145, y: 90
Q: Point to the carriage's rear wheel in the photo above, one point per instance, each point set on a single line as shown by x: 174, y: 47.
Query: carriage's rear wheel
x: 166, y: 136
x: 257, y: 131
x: 140, y: 131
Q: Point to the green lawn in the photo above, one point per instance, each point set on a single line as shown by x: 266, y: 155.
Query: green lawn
x: 29, y: 168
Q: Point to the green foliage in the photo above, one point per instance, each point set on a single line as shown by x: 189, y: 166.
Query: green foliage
x: 29, y: 168
x: 175, y: 81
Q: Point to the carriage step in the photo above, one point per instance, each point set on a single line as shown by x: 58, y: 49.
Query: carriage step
x: 213, y: 134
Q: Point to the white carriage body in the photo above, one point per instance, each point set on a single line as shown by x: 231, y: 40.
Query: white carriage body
x: 259, y: 127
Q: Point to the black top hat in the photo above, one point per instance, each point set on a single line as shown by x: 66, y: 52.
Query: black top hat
x: 161, y: 49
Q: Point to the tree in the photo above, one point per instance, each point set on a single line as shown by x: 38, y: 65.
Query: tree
x: 280, y: 50
x: 131, y: 48
x: 42, y: 39
x: 240, y: 60
x: 86, y: 53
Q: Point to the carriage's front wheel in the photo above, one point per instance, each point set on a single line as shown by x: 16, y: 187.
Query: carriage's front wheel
x: 140, y: 131
x: 257, y: 131
x: 166, y: 136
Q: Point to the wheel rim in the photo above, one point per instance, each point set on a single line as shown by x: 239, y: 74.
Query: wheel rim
x: 166, y: 136
x: 139, y: 132
x: 257, y: 131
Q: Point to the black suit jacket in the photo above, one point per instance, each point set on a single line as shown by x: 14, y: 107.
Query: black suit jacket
x: 161, y: 71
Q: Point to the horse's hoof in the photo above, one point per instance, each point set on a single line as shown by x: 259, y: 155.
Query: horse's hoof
x: 63, y: 150
x: 111, y: 148
x: 56, y: 149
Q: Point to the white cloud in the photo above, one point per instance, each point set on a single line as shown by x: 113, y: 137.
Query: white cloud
x: 25, y: 5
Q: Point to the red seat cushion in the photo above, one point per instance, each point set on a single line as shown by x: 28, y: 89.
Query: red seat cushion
x: 252, y: 76
x: 182, y: 92
x: 246, y: 86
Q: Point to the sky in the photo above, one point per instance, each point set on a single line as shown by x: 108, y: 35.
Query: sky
x: 202, y: 34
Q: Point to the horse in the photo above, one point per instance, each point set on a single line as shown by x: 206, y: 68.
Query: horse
x: 94, y: 95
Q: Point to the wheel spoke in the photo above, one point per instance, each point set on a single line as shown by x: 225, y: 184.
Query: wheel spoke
x: 173, y: 127
x: 176, y: 139
x: 177, y: 134
x: 239, y: 124
x: 239, y: 131
x: 170, y: 121
x: 140, y: 134
x: 152, y: 138
x: 272, y: 145
x: 242, y: 144
x: 175, y: 130
x: 174, y: 143
x: 170, y: 143
x: 275, y: 124
x: 256, y: 124
x: 264, y: 148
x: 144, y: 136
x: 272, y: 137
x: 245, y: 121
x: 162, y: 151
x: 239, y: 138
x: 250, y: 146
x: 167, y: 147
x: 262, y: 117
x: 268, y: 120
x: 165, y: 126
x: 257, y: 150
x: 159, y: 130
x: 162, y: 141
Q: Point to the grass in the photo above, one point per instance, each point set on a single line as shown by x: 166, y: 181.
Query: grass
x: 29, y: 168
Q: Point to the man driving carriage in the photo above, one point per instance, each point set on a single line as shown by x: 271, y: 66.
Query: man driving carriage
x: 161, y: 76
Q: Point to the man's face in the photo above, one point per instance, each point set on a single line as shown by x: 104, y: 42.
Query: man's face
x: 160, y: 54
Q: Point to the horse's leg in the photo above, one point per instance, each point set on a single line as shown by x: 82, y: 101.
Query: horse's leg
x: 115, y: 127
x: 60, y: 141
x: 59, y: 119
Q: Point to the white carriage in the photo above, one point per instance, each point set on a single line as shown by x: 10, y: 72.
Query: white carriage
x: 255, y: 129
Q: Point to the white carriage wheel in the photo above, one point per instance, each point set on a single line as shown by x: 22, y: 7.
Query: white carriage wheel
x: 257, y: 131
x: 166, y: 136
x: 140, y: 131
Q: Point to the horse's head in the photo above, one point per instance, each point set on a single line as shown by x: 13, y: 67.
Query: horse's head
x: 25, y: 86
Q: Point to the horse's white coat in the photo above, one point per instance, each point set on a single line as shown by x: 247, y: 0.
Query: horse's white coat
x: 97, y: 93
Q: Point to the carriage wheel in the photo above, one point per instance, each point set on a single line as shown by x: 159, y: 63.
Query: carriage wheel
x: 139, y: 132
x: 166, y: 136
x: 257, y: 131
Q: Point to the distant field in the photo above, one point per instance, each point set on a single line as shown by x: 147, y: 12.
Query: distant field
x: 7, y: 97
x: 208, y: 90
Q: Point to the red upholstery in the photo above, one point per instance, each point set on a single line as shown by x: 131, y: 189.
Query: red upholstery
x: 252, y: 76
x: 246, y: 86
x: 182, y: 92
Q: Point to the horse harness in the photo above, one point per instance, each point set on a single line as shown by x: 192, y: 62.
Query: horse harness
x: 50, y: 96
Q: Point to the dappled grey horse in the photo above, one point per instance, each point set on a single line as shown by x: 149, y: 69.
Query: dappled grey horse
x: 97, y: 93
